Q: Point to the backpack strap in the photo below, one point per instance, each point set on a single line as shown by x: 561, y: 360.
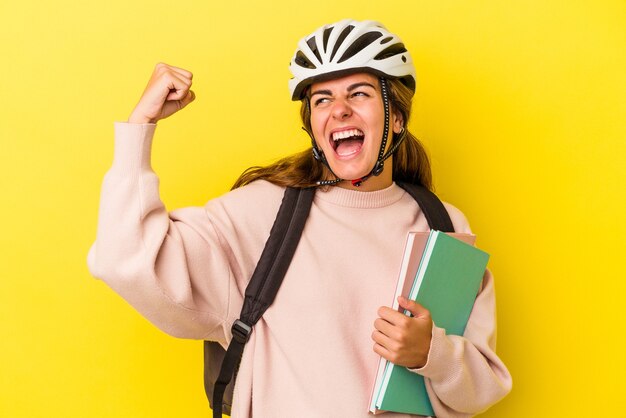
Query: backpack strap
x: 265, y: 282
x: 434, y: 211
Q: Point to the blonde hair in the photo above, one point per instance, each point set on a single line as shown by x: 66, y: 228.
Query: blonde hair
x: 410, y: 161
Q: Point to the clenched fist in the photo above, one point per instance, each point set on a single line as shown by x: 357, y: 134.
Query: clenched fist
x: 167, y: 92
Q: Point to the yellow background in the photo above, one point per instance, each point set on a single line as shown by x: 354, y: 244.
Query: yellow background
x: 522, y: 105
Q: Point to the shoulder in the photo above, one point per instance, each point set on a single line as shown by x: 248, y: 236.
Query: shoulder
x: 257, y: 190
x: 253, y: 203
x: 459, y: 221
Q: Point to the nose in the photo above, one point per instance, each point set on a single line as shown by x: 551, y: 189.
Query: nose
x: 341, y: 110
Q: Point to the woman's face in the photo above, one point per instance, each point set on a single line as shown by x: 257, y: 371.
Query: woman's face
x: 347, y: 119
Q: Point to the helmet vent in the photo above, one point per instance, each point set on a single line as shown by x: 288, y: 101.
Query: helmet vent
x: 327, y: 32
x: 340, y: 39
x: 313, y: 45
x: 391, y: 51
x: 385, y: 40
x: 359, y: 44
x: 303, y: 61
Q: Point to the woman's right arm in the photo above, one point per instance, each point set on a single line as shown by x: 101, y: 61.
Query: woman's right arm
x: 158, y: 263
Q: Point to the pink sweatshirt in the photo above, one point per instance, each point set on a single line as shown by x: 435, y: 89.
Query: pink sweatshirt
x: 311, y: 354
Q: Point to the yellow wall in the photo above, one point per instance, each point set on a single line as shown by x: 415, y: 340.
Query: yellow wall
x: 522, y: 105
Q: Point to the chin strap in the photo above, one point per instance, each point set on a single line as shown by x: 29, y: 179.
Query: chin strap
x: 379, y: 166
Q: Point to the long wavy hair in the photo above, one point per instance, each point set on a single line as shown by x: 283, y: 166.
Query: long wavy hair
x: 410, y: 161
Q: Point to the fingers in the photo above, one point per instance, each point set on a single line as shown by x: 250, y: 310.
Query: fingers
x: 394, y: 351
x: 394, y: 336
x: 384, y: 346
x: 161, y: 66
x: 391, y: 337
x: 417, y: 310
x: 177, y: 85
x: 387, y: 329
x: 190, y: 97
x: 394, y: 317
x: 384, y: 340
x: 383, y: 352
x: 399, y: 319
x: 177, y: 92
x: 172, y: 106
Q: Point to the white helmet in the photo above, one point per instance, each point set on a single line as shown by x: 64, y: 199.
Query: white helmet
x: 346, y: 47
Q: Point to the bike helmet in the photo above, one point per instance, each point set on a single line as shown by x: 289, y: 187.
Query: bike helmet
x: 346, y: 47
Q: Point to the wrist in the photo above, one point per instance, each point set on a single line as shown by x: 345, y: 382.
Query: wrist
x: 139, y: 119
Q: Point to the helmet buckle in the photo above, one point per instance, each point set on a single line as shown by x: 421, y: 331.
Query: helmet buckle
x: 378, y: 168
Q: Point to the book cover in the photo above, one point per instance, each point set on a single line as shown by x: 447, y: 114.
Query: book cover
x: 446, y: 283
x: 412, y: 255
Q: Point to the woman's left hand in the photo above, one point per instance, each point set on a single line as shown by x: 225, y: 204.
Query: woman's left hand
x: 401, y: 339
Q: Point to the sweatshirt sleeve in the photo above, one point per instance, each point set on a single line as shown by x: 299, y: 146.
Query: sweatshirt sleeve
x: 152, y: 258
x: 464, y: 376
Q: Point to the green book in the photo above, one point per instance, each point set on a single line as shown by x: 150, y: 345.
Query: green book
x: 447, y: 282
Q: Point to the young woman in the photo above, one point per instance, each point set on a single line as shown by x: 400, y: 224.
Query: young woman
x: 315, y: 351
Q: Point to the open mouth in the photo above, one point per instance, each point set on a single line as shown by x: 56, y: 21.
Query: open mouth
x: 347, y: 142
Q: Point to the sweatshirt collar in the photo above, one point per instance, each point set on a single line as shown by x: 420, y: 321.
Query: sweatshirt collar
x: 358, y: 199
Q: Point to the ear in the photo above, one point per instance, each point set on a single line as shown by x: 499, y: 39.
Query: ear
x: 397, y: 122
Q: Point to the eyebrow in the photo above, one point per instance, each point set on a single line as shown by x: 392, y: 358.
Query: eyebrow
x: 349, y: 89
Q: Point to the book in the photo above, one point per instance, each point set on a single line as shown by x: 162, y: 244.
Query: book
x: 445, y: 280
x: 412, y: 255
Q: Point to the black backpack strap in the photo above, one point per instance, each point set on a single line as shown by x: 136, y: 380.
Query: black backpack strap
x: 436, y: 214
x: 265, y: 282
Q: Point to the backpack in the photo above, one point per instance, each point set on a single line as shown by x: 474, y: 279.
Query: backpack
x: 220, y: 366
